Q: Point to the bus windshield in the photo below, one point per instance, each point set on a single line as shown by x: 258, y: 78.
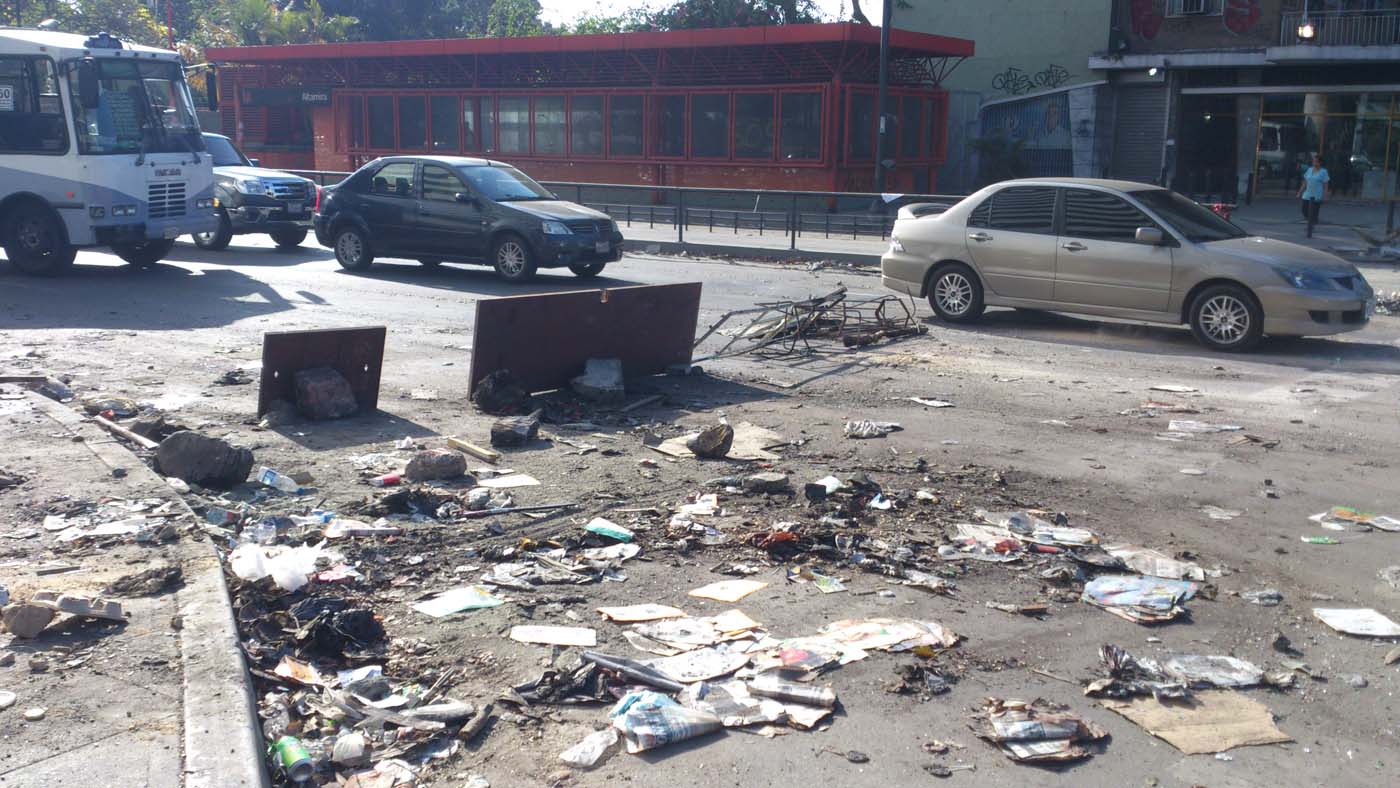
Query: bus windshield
x: 141, y: 106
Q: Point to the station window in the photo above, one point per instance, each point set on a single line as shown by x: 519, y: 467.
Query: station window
x: 753, y: 125
x: 549, y: 126
x: 625, y: 125
x: 413, y: 123
x: 670, y: 126
x: 709, y: 125
x: 355, y: 108
x: 381, y: 122
x: 586, y: 125
x: 862, y: 126
x: 802, y: 126
x: 31, y: 115
x: 446, y: 136
x: 479, y: 123
x: 514, y: 124
x: 910, y: 126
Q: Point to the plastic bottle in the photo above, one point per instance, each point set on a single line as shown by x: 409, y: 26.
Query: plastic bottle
x: 278, y: 481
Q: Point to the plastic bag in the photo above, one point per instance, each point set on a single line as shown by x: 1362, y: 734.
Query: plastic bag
x: 648, y: 720
x: 592, y: 750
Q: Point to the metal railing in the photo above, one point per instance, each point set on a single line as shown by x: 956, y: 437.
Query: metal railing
x: 1342, y: 28
x: 790, y: 214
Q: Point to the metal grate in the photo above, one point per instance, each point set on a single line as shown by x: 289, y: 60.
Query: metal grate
x: 289, y: 190
x: 589, y: 226
x: 165, y: 200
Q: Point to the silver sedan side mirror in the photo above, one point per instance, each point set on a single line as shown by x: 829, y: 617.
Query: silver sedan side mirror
x: 1148, y: 235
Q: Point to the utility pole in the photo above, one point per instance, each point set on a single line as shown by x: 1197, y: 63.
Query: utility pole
x: 882, y: 130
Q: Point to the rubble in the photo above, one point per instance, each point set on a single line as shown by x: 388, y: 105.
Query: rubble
x: 500, y: 393
x: 323, y: 393
x: 27, y: 620
x: 713, y: 442
x: 1035, y: 732
x: 431, y: 464
x: 208, y: 462
x: 515, y: 430
x: 601, y: 381
x: 763, y: 483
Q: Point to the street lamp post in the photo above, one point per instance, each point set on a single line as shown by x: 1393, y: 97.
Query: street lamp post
x: 882, y: 136
x: 1307, y: 31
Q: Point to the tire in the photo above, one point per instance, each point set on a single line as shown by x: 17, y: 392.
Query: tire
x: 587, y: 270
x: 35, y: 243
x: 144, y: 254
x: 1226, y: 318
x: 288, y: 239
x: 352, y: 249
x: 512, y: 258
x: 955, y: 293
x: 218, y: 240
x: 426, y: 263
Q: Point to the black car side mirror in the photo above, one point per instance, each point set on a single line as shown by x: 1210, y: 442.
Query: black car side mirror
x: 465, y: 199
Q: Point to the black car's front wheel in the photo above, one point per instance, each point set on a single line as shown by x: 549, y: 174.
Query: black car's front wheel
x: 144, y: 254
x: 587, y: 270
x: 352, y: 249
x: 955, y: 293
x: 1226, y: 318
x: 219, y: 238
x: 512, y: 258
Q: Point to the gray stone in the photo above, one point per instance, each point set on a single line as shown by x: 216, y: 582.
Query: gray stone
x: 199, y: 459
x: 714, y: 441
x: 1358, y: 681
x: 601, y: 381
x: 500, y: 393
x: 766, y: 483
x: 323, y: 393
x: 26, y: 621
x: 436, y: 464
x: 515, y: 430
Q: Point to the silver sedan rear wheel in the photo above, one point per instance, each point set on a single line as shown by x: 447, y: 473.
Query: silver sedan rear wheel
x: 955, y: 293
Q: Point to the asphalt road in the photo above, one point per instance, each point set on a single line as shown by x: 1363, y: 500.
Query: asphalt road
x: 1040, y: 397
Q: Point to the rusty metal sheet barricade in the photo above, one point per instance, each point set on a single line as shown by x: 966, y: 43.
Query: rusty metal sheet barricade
x: 545, y: 339
x: 356, y: 353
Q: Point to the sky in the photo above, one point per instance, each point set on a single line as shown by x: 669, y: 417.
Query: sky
x: 560, y: 11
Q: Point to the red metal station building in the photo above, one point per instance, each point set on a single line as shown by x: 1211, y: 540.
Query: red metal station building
x: 790, y: 107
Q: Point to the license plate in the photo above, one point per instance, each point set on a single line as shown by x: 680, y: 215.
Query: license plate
x: 171, y: 233
x: 602, y: 247
x: 294, y: 207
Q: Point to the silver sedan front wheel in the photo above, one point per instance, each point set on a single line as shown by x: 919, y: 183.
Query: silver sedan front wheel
x: 1226, y: 317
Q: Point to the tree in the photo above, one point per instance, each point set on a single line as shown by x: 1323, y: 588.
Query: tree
x: 131, y: 20
x: 514, y: 18
x: 691, y: 14
x: 305, y: 22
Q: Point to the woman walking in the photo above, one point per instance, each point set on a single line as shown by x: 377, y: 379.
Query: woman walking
x: 1315, y: 188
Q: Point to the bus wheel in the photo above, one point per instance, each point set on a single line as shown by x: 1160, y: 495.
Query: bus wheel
x: 34, y: 242
x: 144, y: 254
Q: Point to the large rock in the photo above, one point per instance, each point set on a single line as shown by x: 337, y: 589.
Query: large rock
x: 515, y: 430
x: 323, y: 393
x: 149, y: 425
x: 436, y: 464
x: 27, y: 621
x: 766, y: 483
x: 601, y: 381
x: 713, y: 441
x: 500, y: 393
x: 199, y: 459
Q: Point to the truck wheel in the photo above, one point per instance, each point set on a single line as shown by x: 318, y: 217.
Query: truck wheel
x: 352, y: 249
x: 587, y: 270
x: 144, y: 254
x: 218, y: 240
x: 512, y: 258
x: 288, y: 239
x: 33, y: 240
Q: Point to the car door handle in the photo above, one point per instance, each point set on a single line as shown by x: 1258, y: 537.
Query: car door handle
x: 979, y: 237
x: 1074, y: 246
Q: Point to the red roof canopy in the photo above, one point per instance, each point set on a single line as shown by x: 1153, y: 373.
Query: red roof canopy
x: 911, y: 43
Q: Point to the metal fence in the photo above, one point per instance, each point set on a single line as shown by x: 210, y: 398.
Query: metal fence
x: 1342, y: 28
x: 789, y: 214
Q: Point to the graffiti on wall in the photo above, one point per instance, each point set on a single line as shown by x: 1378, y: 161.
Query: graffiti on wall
x: 1145, y: 18
x: 1240, y: 16
x: 1013, y: 81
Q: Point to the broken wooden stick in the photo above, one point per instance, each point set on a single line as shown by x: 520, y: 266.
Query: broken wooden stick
x: 117, y: 429
x: 488, y: 455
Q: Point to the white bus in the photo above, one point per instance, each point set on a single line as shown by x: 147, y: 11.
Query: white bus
x: 99, y: 146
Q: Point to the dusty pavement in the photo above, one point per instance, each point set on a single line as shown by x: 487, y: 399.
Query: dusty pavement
x: 1047, y: 414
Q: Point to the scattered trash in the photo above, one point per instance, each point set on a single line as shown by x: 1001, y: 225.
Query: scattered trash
x: 1173, y: 388
x: 1211, y: 721
x: 634, y: 613
x: 554, y: 636
x: 1320, y: 540
x: 1345, y: 518
x: 509, y: 481
x: 1267, y: 597
x: 609, y: 529
x: 1193, y: 472
x: 870, y: 429
x: 1391, y: 575
x: 1142, y: 600
x: 766, y: 483
x: 457, y: 600
x: 7, y: 699
x: 592, y: 750
x: 1217, y: 513
x: 728, y: 590
x: 1035, y: 732
x: 150, y: 582
x: 1365, y: 622
x: 1151, y: 562
x: 279, y: 481
x: 289, y: 567
x: 515, y: 430
x: 234, y: 377
x: 1190, y: 427
x: 930, y: 403
x: 648, y: 720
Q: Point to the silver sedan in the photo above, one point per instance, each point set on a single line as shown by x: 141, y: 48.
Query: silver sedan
x: 1122, y: 250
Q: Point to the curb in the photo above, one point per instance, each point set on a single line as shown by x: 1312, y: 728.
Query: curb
x: 222, y: 734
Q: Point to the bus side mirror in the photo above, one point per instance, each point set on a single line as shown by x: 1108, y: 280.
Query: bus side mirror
x: 88, y: 90
x: 211, y: 86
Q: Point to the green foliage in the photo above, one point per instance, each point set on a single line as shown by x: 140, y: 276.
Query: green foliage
x: 130, y: 20
x: 508, y: 18
x: 691, y: 14
x: 260, y: 22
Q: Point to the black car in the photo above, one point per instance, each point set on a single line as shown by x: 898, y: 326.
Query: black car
x: 256, y: 200
x: 437, y: 209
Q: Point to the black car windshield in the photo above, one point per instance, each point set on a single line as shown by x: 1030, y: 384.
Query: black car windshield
x: 503, y: 184
x: 1198, y: 223
x: 225, y: 155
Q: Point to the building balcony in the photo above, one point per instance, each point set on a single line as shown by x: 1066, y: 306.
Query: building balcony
x: 1343, y: 28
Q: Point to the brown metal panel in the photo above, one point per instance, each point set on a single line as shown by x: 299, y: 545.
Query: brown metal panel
x: 544, y: 340
x: 356, y: 353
